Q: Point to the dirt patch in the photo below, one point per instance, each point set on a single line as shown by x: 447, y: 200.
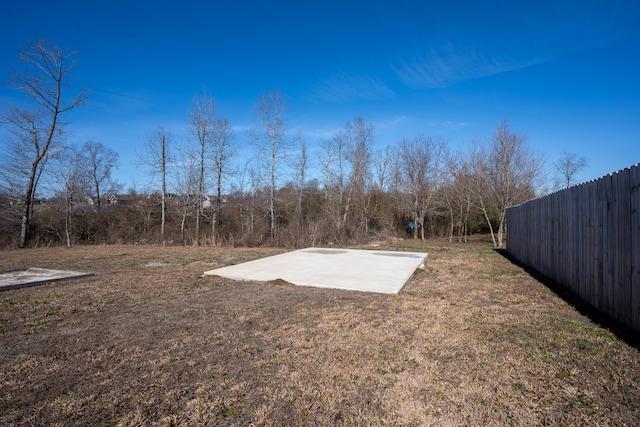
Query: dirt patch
x: 157, y: 264
x: 280, y: 282
x: 472, y: 340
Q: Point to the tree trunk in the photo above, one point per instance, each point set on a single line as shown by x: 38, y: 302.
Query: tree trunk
x: 196, y: 242
x: 182, y: 224
x: 67, y: 224
x: 486, y: 217
x: 214, y: 241
x: 164, y: 191
x: 272, y: 207
x: 24, y: 228
x: 217, y: 208
x: 25, y: 224
x: 501, y: 229
x: 451, y: 220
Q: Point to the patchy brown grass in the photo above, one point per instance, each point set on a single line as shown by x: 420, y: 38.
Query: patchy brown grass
x: 473, y: 340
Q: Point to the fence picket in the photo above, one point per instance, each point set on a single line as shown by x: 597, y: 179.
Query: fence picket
x: 635, y: 247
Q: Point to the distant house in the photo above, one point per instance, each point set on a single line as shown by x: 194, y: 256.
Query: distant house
x: 209, y: 201
x: 206, y: 203
x: 17, y: 201
x: 6, y: 201
x: 119, y: 199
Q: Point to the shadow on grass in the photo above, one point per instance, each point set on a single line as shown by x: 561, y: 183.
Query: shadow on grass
x: 621, y: 331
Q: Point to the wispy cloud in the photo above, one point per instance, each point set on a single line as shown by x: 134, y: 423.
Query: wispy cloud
x: 450, y: 64
x: 320, y: 133
x: 242, y: 128
x: 455, y: 125
x: 124, y: 100
x: 343, y: 87
x: 391, y: 122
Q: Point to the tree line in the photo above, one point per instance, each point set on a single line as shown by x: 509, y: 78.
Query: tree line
x: 206, y: 194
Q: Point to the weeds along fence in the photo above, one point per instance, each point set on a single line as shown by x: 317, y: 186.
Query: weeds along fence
x: 586, y: 238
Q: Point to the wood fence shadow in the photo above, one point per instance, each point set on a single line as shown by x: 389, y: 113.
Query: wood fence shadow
x: 621, y: 331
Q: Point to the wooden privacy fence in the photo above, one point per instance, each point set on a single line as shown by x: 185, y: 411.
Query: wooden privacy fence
x: 586, y: 238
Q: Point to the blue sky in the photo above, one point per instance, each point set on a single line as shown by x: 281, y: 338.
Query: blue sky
x: 565, y: 73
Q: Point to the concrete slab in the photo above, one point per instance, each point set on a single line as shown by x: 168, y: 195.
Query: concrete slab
x: 35, y: 276
x: 358, y: 270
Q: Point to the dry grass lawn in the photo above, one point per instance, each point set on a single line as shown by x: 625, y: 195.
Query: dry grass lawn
x: 473, y: 340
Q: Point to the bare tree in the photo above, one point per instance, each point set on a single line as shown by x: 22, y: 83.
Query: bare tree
x: 420, y: 170
x: 73, y: 185
x: 301, y: 168
x: 186, y: 184
x: 66, y: 183
x: 246, y: 186
x: 459, y: 194
x: 476, y: 161
x: 46, y: 83
x: 346, y: 161
x: 359, y: 137
x: 382, y: 161
x: 510, y: 172
x: 155, y: 157
x: 222, y: 150
x: 334, y: 176
x: 270, y: 142
x: 98, y: 162
x: 567, y: 167
x: 201, y: 127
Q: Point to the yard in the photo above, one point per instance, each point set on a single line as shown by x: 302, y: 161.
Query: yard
x: 473, y: 340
